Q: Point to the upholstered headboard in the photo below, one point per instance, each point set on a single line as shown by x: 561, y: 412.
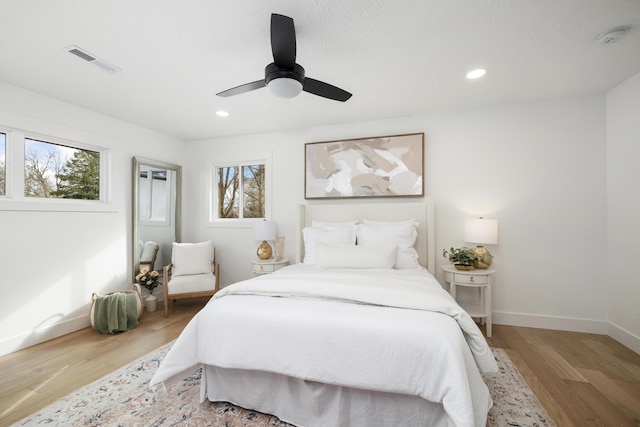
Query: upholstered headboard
x: 421, y: 211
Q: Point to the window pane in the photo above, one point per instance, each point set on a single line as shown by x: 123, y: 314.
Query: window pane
x: 253, y: 191
x: 228, y: 191
x: 154, y: 194
x: 57, y: 171
x: 3, y: 162
x: 160, y: 195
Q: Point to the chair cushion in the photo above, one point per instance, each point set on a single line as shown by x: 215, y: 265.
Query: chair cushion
x: 148, y: 250
x: 192, y: 283
x: 191, y: 258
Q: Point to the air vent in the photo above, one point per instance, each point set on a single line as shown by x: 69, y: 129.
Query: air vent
x: 91, y: 59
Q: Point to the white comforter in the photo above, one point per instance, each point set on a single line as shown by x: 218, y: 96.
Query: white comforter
x: 344, y: 327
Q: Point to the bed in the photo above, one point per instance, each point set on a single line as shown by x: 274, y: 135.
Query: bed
x: 350, y: 335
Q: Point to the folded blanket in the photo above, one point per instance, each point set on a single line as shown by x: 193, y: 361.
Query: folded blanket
x: 116, y: 312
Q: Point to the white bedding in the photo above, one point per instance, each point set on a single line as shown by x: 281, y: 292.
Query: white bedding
x: 344, y: 327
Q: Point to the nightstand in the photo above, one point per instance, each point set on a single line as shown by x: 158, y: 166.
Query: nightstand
x: 268, y: 266
x: 479, y: 279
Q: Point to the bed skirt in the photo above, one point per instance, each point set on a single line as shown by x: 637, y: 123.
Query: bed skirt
x: 312, y: 404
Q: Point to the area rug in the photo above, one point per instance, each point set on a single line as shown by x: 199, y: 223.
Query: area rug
x: 123, y: 398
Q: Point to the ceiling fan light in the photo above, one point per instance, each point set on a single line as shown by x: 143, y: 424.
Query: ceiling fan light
x: 285, y: 87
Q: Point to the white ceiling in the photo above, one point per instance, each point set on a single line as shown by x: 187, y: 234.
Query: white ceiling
x: 397, y: 57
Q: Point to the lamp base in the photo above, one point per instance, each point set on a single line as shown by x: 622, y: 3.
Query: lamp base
x: 483, y: 257
x: 264, y: 250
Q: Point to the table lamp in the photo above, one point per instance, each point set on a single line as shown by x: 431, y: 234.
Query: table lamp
x: 264, y: 231
x: 481, y: 232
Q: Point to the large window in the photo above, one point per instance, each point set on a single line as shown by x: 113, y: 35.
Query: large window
x: 41, y: 172
x: 240, y: 191
x: 58, y: 171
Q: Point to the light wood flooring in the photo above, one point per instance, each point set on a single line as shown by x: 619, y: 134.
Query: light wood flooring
x: 580, y: 379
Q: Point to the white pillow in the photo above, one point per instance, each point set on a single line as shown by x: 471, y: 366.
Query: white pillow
x: 375, y: 256
x: 337, y: 236
x: 402, y: 234
x: 331, y: 224
x: 191, y: 258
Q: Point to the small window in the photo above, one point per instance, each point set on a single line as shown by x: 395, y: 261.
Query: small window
x: 58, y: 171
x: 240, y: 191
x: 3, y: 164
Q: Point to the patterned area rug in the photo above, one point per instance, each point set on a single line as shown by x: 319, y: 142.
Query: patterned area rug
x: 123, y: 398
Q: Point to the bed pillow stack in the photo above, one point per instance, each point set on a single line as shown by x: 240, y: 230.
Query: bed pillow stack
x: 372, y: 244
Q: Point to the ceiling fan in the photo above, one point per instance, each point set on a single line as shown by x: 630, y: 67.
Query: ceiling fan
x: 283, y: 76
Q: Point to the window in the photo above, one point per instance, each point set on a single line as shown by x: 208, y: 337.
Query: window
x: 156, y: 187
x: 3, y: 163
x: 45, y: 173
x: 58, y: 171
x: 240, y: 191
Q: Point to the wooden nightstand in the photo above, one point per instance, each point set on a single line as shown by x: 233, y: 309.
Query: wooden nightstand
x: 268, y: 266
x: 479, y: 279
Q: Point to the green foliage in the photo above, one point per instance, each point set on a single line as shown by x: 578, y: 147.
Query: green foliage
x: 2, y: 178
x: 460, y: 256
x: 80, y: 177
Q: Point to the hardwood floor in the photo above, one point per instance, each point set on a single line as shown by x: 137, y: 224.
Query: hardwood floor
x: 580, y: 379
x: 32, y: 378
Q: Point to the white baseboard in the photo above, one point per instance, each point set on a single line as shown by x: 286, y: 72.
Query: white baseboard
x: 619, y: 334
x: 624, y: 337
x: 37, y: 336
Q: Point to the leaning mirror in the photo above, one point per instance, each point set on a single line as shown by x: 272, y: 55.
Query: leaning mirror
x: 157, y: 200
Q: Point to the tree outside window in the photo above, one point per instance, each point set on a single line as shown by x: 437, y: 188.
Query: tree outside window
x: 57, y: 171
x: 241, y: 191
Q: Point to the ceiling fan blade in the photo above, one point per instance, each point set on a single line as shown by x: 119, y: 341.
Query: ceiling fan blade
x: 243, y: 88
x: 283, y: 41
x: 325, y: 90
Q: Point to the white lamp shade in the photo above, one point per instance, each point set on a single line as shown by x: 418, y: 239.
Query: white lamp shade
x: 264, y: 230
x: 481, y: 231
x: 285, y: 87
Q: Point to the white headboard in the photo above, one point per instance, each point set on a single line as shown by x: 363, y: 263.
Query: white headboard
x: 422, y: 211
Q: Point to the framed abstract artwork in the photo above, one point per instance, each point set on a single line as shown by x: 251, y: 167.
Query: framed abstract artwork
x: 383, y: 166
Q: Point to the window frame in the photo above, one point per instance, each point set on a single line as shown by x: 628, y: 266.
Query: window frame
x: 15, y: 199
x: 7, y: 161
x: 212, y: 205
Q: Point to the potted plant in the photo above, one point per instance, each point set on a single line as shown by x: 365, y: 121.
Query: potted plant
x: 461, y: 258
x: 149, y: 280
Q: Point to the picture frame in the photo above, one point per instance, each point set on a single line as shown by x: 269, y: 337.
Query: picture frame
x: 381, y: 166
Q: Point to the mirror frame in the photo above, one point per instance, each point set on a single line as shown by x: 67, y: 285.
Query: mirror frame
x: 137, y: 161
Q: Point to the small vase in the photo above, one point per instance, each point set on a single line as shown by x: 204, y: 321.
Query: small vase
x: 279, y: 248
x: 151, y: 303
x: 463, y: 267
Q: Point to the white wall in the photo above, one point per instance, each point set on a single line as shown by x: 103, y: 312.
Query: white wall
x: 51, y: 262
x: 538, y: 168
x: 623, y: 214
x: 541, y: 169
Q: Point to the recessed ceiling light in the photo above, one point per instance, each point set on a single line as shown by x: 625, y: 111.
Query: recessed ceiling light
x: 476, y: 74
x: 221, y: 113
